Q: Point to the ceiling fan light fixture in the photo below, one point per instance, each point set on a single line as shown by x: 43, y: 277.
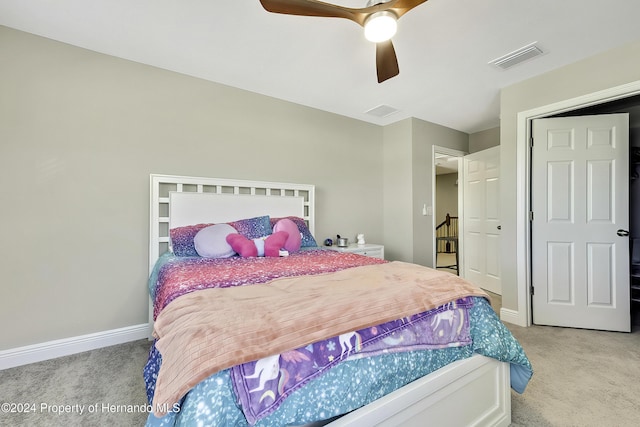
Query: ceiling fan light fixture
x: 380, y: 26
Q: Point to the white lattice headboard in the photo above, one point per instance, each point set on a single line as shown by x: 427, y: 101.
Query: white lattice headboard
x: 163, y: 185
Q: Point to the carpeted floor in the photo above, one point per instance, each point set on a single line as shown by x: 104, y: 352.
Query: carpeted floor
x: 104, y: 383
x: 582, y: 378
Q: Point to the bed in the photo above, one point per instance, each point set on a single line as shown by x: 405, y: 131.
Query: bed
x: 444, y: 357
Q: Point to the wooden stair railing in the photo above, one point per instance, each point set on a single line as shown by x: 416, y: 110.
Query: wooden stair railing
x: 447, y: 228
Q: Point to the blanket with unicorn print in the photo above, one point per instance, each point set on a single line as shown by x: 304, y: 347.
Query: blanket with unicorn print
x: 261, y: 386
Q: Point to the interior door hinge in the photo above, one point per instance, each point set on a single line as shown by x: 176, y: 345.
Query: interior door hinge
x: 531, y: 141
x: 530, y: 215
x: 532, y: 291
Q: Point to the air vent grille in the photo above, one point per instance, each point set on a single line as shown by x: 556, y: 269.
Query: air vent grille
x: 382, y: 111
x: 518, y: 56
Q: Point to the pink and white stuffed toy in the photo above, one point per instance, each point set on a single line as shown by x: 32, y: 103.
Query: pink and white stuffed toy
x: 268, y: 247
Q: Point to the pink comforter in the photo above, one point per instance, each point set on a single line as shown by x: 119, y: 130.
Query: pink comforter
x: 180, y: 276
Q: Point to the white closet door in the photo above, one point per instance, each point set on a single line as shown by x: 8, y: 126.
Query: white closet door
x: 580, y: 203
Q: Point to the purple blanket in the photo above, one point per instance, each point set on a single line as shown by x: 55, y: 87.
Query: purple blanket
x: 262, y: 385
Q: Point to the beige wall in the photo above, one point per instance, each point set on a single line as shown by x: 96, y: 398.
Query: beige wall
x: 397, y: 191
x: 484, y: 139
x: 80, y: 132
x: 408, y: 185
x: 613, y: 68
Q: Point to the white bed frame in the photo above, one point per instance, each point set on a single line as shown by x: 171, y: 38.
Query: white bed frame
x: 470, y: 392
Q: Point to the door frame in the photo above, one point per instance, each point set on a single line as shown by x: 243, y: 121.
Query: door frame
x: 460, y: 155
x: 523, y: 316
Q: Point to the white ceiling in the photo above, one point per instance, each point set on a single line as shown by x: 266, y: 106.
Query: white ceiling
x: 443, y: 48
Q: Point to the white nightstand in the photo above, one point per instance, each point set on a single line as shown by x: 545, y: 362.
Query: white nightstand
x: 368, y: 249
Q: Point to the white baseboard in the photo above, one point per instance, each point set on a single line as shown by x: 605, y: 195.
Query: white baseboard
x: 67, y: 346
x: 512, y: 316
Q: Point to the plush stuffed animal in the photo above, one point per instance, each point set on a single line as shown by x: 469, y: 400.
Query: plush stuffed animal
x: 295, y: 237
x: 269, y: 247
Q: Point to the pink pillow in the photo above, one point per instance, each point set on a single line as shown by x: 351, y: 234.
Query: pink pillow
x: 295, y: 238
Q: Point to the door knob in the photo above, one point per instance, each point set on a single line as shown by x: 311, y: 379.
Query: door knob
x: 622, y: 232
x: 499, y: 227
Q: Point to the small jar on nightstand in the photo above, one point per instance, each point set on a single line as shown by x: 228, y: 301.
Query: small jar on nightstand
x: 368, y: 249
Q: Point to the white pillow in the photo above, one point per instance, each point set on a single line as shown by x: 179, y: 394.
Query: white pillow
x: 211, y: 242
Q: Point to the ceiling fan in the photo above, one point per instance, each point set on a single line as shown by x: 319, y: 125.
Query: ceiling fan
x: 379, y: 21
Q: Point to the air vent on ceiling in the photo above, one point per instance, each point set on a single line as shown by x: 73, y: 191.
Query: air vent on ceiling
x: 518, y: 56
x: 382, y: 111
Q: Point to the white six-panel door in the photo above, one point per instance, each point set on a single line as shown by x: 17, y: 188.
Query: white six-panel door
x: 580, y: 203
x: 482, y: 219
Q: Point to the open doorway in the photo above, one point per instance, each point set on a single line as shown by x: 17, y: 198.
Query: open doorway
x: 447, y: 209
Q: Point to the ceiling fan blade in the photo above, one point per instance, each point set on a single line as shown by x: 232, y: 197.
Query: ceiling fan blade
x: 328, y: 10
x: 314, y: 8
x: 400, y: 7
x: 386, y: 61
